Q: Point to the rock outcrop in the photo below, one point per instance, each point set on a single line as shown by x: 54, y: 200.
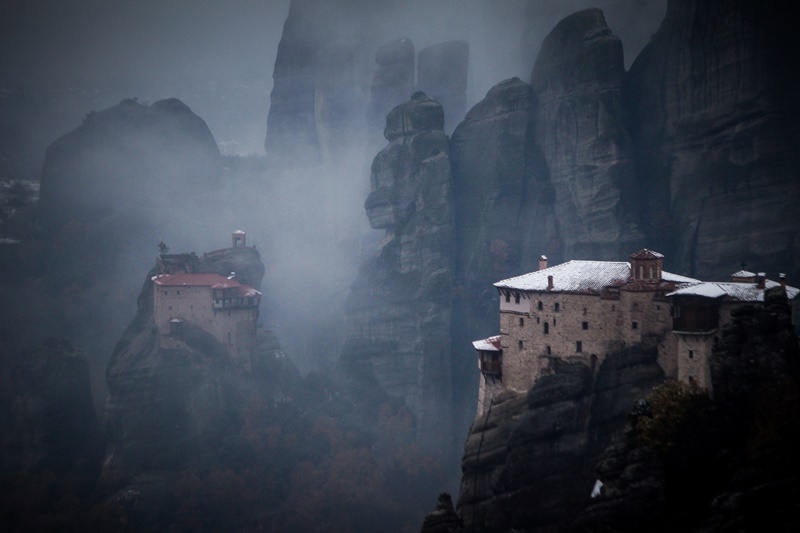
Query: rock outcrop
x: 321, y: 79
x: 393, y: 80
x: 577, y: 80
x: 529, y: 461
x: 130, y: 157
x: 399, y: 307
x: 47, y: 413
x: 172, y: 409
x: 442, y: 73
x: 711, y: 112
x: 504, y: 206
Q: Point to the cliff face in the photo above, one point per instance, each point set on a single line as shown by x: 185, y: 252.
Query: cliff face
x: 577, y: 80
x: 130, y: 157
x: 528, y: 462
x: 712, y: 106
x: 399, y: 306
x: 168, y: 410
x: 442, y: 73
x: 321, y: 78
x: 48, y: 417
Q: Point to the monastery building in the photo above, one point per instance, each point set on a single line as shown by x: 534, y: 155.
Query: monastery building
x: 584, y: 310
x: 220, y: 305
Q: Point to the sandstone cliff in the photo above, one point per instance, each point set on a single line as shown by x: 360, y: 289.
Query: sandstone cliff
x: 130, y: 157
x: 399, y: 306
x: 712, y: 105
x: 529, y: 462
x: 47, y: 413
x: 172, y: 409
x: 577, y: 80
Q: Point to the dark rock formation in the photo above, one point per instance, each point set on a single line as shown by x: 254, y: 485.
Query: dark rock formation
x: 528, y: 462
x: 442, y: 73
x: 47, y: 414
x: 399, y: 306
x: 444, y: 518
x: 393, y: 79
x: 130, y: 157
x: 713, y: 110
x: 173, y: 409
x: 504, y: 209
x: 577, y: 80
x: 321, y: 78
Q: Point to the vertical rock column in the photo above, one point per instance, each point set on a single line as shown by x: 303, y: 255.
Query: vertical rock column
x: 577, y: 80
x: 442, y: 73
x: 399, y: 307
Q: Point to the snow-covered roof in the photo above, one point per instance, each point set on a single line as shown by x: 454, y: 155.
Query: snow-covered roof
x: 743, y: 274
x: 492, y: 344
x: 580, y: 276
x: 646, y: 254
x: 238, y: 232
x: 739, y: 292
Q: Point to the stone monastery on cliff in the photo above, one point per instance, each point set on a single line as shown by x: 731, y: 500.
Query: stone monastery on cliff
x: 585, y: 310
x: 220, y: 305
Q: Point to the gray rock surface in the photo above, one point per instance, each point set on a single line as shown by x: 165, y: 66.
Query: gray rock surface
x: 528, y: 462
x: 442, y: 71
x: 169, y: 410
x: 713, y: 113
x: 130, y: 157
x: 393, y: 80
x: 399, y: 307
x: 47, y: 413
x: 505, y: 212
x: 321, y: 79
x: 577, y: 80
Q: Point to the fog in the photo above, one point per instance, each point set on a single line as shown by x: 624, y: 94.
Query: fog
x: 60, y: 60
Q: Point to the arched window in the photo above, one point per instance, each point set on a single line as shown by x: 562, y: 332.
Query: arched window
x: 557, y: 306
x: 546, y: 328
x: 549, y: 351
x: 540, y: 306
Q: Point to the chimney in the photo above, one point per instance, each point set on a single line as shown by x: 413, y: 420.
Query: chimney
x: 761, y: 280
x: 550, y: 283
x: 542, y: 262
x: 782, y: 278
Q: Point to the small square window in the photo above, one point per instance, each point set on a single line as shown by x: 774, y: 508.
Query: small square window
x: 691, y: 354
x: 634, y: 325
x: 585, y: 325
x: 658, y: 308
x: 521, y: 321
x: 579, y: 346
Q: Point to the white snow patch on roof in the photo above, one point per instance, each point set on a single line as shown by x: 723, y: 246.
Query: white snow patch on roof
x: 492, y: 344
x: 580, y: 276
x: 740, y: 292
